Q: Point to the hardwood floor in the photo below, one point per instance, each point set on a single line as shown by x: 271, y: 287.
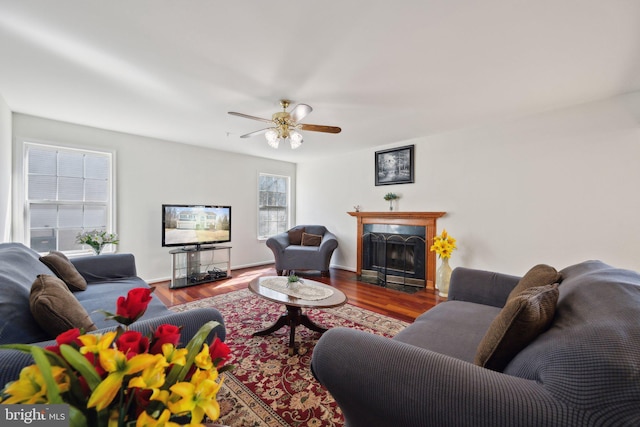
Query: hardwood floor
x: 390, y: 302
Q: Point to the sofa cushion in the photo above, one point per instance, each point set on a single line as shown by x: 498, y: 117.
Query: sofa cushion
x: 62, y: 267
x: 55, y: 308
x: 453, y: 328
x: 311, y: 239
x: 19, y: 267
x: 588, y: 358
x: 295, y: 236
x: 523, y: 318
x: 538, y: 275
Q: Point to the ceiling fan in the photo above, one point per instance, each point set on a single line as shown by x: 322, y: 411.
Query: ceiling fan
x: 285, y: 125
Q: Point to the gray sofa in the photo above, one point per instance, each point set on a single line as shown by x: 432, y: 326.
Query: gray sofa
x: 584, y: 370
x: 107, y: 276
x: 295, y: 256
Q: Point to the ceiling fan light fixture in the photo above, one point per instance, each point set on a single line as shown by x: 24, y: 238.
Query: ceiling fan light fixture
x: 273, y: 138
x: 285, y: 125
x: 295, y: 139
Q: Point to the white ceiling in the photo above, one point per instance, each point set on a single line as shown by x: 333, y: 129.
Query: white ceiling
x: 384, y: 71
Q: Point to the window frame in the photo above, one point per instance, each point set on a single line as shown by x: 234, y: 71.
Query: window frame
x: 22, y: 213
x: 288, y: 205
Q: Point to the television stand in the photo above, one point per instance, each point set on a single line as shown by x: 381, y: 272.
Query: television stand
x: 202, y: 264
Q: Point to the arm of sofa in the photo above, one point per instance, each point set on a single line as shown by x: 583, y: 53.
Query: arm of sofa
x: 190, y: 321
x: 278, y: 243
x: 105, y: 267
x: 481, y: 287
x: 377, y: 381
x: 12, y: 361
x: 328, y: 244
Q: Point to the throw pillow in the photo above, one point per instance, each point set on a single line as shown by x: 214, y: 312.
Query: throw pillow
x: 520, y: 321
x: 55, y: 308
x: 295, y: 236
x: 539, y: 275
x: 311, y: 239
x: 65, y: 270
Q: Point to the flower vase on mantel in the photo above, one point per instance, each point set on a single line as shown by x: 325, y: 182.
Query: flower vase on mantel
x: 390, y: 197
x: 443, y: 276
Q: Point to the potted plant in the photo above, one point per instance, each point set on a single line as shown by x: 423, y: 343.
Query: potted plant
x: 97, y: 239
x: 390, y: 197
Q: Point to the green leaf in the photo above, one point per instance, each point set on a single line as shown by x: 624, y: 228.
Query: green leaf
x: 194, y: 347
x: 26, y: 348
x: 76, y: 417
x: 53, y: 392
x: 81, y: 364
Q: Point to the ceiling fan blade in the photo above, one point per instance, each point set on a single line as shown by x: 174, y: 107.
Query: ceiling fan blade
x: 246, y: 116
x: 320, y: 128
x: 258, y: 132
x: 300, y: 111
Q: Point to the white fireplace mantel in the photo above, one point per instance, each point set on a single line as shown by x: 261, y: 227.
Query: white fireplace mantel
x: 426, y: 219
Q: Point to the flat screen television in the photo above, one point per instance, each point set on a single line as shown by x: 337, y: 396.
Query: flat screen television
x: 195, y: 225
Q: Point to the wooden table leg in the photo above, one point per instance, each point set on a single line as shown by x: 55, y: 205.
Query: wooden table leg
x: 292, y: 318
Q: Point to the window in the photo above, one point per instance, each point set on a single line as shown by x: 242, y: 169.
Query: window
x: 67, y: 191
x: 273, y: 205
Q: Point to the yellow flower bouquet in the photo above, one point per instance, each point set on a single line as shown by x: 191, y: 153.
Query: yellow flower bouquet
x: 443, y: 245
x: 123, y: 378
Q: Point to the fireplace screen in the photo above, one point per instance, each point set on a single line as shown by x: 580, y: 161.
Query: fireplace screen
x: 394, y: 254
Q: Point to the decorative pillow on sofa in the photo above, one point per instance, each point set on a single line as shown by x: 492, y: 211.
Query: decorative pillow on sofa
x: 520, y: 321
x: 295, y: 236
x: 539, y: 275
x: 311, y: 239
x: 65, y: 270
x: 55, y: 308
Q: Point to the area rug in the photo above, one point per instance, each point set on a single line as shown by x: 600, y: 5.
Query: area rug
x: 268, y: 387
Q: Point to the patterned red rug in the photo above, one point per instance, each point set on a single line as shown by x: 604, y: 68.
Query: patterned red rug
x: 268, y: 387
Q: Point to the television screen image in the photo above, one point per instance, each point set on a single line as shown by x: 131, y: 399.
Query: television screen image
x: 186, y: 225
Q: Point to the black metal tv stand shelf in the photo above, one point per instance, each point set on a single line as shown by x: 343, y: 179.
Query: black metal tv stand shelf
x: 198, y: 265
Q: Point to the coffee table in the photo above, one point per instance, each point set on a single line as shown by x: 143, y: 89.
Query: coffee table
x: 294, y: 316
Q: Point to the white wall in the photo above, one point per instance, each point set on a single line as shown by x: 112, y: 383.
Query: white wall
x: 150, y: 172
x: 5, y: 171
x: 557, y: 188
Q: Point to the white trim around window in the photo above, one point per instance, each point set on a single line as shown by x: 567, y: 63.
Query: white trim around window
x: 60, y: 191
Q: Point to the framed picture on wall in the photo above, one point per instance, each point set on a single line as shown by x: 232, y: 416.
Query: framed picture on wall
x: 394, y: 166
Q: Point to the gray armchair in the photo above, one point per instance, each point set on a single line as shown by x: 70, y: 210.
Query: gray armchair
x: 293, y: 250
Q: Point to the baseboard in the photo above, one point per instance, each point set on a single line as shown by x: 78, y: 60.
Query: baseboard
x: 234, y: 267
x: 342, y: 267
x: 254, y: 264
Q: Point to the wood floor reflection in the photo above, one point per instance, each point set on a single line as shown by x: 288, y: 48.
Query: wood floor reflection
x: 390, y: 302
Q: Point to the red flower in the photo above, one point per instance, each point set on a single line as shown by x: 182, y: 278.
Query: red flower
x: 69, y: 337
x: 134, y: 305
x: 219, y: 352
x: 132, y: 343
x: 164, y: 334
x: 142, y: 399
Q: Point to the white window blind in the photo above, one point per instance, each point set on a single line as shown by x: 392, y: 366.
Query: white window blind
x: 273, y: 205
x: 68, y: 191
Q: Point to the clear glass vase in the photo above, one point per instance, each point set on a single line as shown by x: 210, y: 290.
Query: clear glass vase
x: 443, y: 276
x: 97, y: 248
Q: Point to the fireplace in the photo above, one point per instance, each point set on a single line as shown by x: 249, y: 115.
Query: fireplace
x: 393, y: 247
x: 394, y: 254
